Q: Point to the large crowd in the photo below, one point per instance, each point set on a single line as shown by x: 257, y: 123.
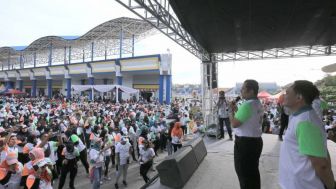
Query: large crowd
x: 44, y: 140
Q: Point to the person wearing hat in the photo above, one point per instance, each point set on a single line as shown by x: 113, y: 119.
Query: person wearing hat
x: 123, y: 151
x: 42, y: 175
x: 82, y: 151
x: 96, y: 157
x: 10, y: 172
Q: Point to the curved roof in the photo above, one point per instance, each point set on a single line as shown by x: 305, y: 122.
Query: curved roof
x: 107, y: 30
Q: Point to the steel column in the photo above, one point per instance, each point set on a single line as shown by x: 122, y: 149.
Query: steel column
x: 68, y: 84
x: 49, y: 88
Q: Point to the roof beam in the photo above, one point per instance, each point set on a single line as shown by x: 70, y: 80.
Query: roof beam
x: 158, y: 16
x: 294, y: 52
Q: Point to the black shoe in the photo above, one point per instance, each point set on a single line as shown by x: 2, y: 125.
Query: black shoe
x: 231, y: 139
x: 280, y: 138
x: 116, y: 185
x: 124, y: 182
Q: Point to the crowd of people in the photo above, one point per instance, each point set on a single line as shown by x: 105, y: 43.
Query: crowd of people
x: 43, y: 140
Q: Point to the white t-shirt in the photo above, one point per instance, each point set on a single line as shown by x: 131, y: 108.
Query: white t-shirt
x: 146, y: 154
x: 223, y: 109
x: 250, y: 114
x: 80, y: 145
x: 97, y: 158
x: 123, y: 151
x: 304, y: 137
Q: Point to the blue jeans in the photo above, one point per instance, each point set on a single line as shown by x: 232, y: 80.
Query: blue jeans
x: 96, y: 177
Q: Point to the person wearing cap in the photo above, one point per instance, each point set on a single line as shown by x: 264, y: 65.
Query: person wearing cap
x: 123, y: 151
x: 10, y: 172
x: 42, y: 175
x: 82, y: 151
x: 147, y: 155
x: 96, y: 157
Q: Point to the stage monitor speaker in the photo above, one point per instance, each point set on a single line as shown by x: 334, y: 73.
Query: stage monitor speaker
x: 199, y: 148
x: 177, y: 169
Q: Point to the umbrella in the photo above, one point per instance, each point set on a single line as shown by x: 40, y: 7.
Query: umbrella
x: 264, y: 94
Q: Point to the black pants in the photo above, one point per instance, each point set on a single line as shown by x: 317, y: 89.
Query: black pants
x: 227, y: 125
x: 107, y: 162
x: 283, y: 124
x: 71, y: 167
x: 177, y: 146
x: 163, y: 141
x: 133, y: 152
x: 184, y: 129
x: 247, y: 151
x: 144, y: 168
x: 83, y: 158
x: 87, y: 140
x: 156, y: 146
x: 113, y: 155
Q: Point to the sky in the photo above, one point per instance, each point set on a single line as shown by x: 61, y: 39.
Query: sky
x: 22, y: 22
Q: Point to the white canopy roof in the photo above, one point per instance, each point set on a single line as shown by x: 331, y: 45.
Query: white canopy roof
x: 103, y: 88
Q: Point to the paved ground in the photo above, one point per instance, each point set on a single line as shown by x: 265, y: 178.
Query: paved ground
x: 134, y: 179
x: 215, y: 172
x: 217, y: 169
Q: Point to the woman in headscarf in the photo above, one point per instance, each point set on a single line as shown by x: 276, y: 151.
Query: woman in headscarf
x: 177, y: 135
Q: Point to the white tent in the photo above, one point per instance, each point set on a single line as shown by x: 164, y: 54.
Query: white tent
x: 104, y: 89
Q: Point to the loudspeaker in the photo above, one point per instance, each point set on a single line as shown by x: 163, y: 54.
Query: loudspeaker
x: 213, y: 68
x: 199, y: 148
x: 177, y: 169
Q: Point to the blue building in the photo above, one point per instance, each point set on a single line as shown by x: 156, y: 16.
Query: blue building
x: 104, y: 55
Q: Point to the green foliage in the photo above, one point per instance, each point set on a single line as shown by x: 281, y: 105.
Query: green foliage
x: 327, y: 87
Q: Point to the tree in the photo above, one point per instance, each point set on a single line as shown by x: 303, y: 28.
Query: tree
x: 327, y: 87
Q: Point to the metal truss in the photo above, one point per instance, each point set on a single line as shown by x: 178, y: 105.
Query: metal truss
x: 112, y: 39
x: 160, y: 15
x: 295, y: 52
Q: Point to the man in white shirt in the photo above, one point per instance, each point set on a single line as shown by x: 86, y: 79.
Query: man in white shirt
x: 304, y: 158
x: 123, y: 152
x: 223, y: 115
x: 248, y: 142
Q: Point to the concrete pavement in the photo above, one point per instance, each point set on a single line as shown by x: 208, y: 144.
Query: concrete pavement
x: 217, y: 169
x: 215, y: 172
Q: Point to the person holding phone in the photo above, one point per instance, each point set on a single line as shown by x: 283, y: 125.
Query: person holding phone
x: 247, y: 124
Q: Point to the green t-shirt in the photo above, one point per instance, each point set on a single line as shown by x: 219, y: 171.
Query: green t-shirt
x: 244, y: 112
x: 310, y: 140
